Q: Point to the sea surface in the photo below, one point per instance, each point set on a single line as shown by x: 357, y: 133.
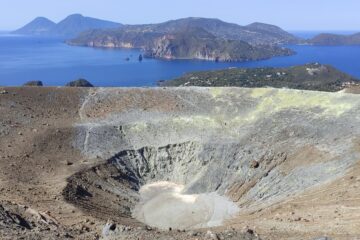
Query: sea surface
x: 25, y: 58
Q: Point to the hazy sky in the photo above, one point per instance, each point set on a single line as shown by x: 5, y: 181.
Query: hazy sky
x: 288, y: 14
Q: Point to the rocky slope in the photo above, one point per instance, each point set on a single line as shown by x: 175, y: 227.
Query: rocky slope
x: 189, y: 43
x: 308, y: 77
x: 196, y: 43
x: 327, y: 39
x: 73, y: 158
x: 256, y: 33
x: 67, y: 28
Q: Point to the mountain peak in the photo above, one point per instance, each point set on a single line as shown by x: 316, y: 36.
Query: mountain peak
x: 69, y: 27
x: 38, y: 26
x: 42, y: 19
x: 74, y: 16
x: 77, y: 23
x: 260, y: 25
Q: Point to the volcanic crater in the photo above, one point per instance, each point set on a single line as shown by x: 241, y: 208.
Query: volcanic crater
x: 201, y: 158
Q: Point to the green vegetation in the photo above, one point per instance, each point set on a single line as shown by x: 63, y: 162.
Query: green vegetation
x: 307, y: 77
x: 196, y: 43
x: 255, y: 34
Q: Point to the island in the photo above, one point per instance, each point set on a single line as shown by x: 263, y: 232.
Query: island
x: 328, y: 39
x: 187, y: 43
x: 313, y: 76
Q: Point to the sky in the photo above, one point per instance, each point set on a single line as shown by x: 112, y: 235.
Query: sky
x: 310, y: 15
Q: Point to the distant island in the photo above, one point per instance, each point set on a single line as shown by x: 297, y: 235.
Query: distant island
x: 312, y: 76
x: 187, y: 43
x: 194, y: 38
x: 328, y: 39
x: 70, y: 27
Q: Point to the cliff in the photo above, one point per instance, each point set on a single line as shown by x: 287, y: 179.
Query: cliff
x: 189, y: 43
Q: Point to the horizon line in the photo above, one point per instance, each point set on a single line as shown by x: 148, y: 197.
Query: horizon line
x: 240, y: 24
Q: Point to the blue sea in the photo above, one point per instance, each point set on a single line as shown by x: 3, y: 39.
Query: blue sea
x: 52, y: 61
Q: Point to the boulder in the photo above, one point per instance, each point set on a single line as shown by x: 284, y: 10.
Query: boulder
x: 79, y: 83
x: 33, y: 84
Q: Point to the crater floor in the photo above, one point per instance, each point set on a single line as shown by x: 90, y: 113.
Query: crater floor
x: 285, y: 163
x: 164, y: 205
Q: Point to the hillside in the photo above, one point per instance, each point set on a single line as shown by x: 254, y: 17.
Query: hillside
x: 39, y: 26
x: 308, y: 77
x: 257, y: 33
x: 196, y: 43
x: 188, y: 43
x: 268, y: 31
x: 327, y: 39
x: 67, y: 28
